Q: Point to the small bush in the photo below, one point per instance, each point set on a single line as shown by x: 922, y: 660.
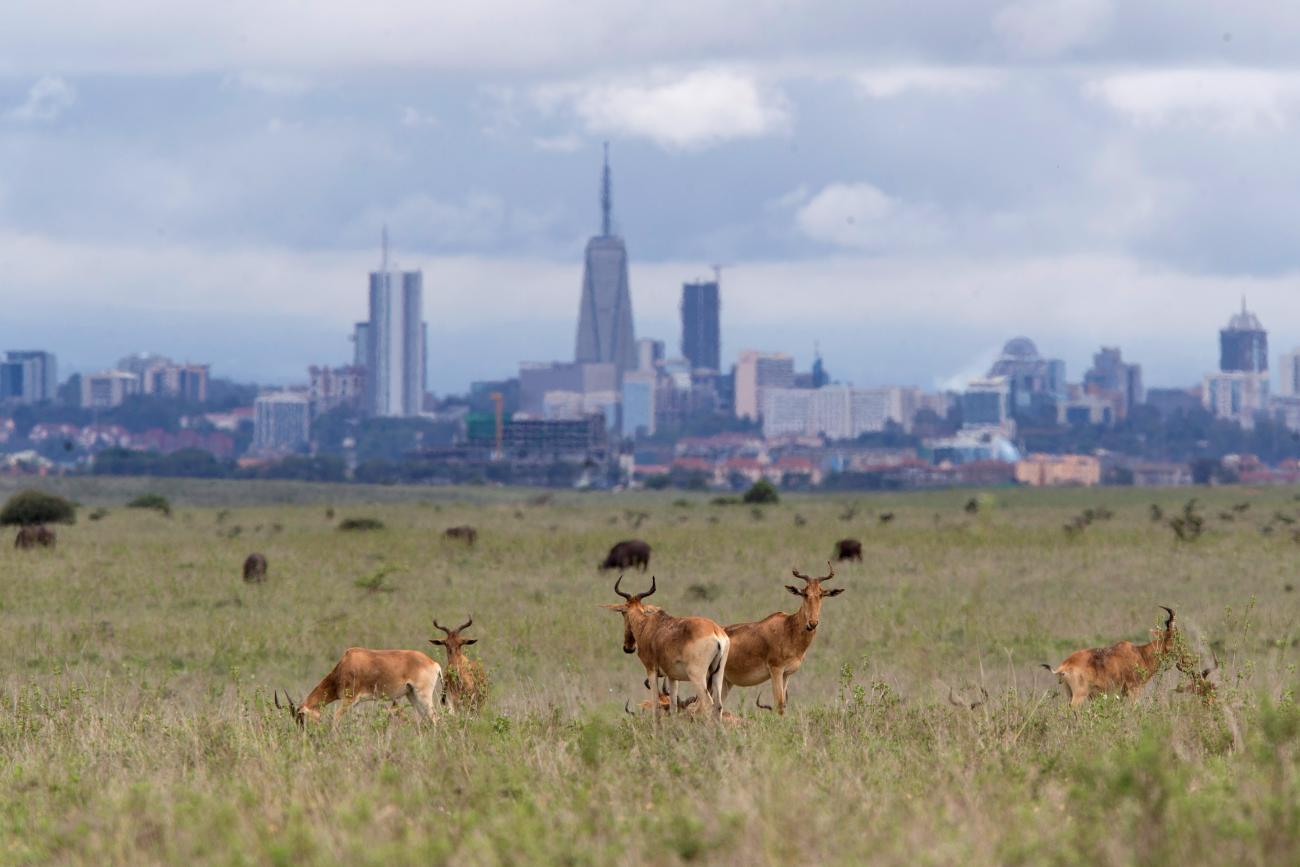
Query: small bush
x: 659, y: 482
x: 98, y: 514
x: 725, y: 501
x: 37, y: 507
x: 762, y: 491
x: 157, y: 502
x: 361, y: 524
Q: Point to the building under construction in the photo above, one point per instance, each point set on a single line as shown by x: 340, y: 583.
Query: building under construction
x: 536, y: 440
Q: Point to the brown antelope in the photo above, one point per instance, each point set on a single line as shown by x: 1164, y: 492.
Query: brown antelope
x: 692, y: 649
x: 774, y: 647
x: 373, y: 675
x: 466, y: 684
x: 1199, y: 683
x: 1122, y: 668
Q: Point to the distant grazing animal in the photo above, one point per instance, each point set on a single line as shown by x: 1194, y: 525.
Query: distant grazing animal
x: 773, y: 648
x: 628, y: 554
x: 34, y: 536
x: 886, y: 517
x: 466, y: 684
x: 1122, y: 668
x: 972, y: 506
x: 255, y: 568
x: 848, y: 549
x: 692, y: 649
x: 373, y: 675
x: 463, y: 533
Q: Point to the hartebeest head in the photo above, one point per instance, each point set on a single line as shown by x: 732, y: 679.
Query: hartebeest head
x: 632, y: 606
x: 298, y: 712
x: 813, y: 593
x: 453, y: 642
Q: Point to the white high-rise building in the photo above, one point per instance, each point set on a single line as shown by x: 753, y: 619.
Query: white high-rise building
x: 281, y: 422
x: 395, y: 342
x: 1288, y: 371
x: 755, y: 372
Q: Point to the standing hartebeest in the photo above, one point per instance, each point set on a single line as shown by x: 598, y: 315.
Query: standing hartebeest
x: 373, y: 675
x: 466, y: 684
x: 1122, y: 668
x: 693, y: 649
x: 773, y: 648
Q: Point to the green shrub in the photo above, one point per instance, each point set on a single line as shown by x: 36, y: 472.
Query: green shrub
x: 361, y: 524
x: 659, y: 482
x: 37, y: 507
x: 157, y: 502
x: 762, y: 491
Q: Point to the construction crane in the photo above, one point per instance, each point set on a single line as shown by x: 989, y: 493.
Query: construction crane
x: 498, y: 401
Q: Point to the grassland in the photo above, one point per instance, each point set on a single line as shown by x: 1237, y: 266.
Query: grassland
x: 136, y: 724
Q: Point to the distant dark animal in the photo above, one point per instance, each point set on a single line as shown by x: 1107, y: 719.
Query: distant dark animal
x: 627, y: 554
x: 886, y: 517
x: 463, y: 533
x: 35, y: 536
x: 255, y: 568
x: 1240, y: 507
x: 972, y: 506
x: 1157, y: 513
x: 848, y: 549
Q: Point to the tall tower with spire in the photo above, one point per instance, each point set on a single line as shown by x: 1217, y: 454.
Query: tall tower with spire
x: 605, y: 332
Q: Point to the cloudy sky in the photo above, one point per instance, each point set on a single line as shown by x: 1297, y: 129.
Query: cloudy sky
x: 907, y: 184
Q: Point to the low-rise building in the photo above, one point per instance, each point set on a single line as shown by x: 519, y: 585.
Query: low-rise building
x: 1039, y: 470
x: 281, y: 422
x: 108, y: 388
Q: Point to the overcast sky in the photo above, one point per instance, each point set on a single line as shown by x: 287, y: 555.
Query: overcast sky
x: 908, y: 184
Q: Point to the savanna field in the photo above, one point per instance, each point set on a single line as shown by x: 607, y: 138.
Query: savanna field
x: 137, y: 723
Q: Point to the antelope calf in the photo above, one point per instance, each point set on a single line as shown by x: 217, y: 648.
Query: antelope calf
x: 774, y: 647
x: 1122, y: 668
x: 692, y: 649
x: 372, y: 675
x: 466, y: 684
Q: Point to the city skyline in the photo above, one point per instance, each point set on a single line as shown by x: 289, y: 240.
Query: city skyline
x: 219, y: 203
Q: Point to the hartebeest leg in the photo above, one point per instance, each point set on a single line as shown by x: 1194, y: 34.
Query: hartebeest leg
x: 343, y: 705
x: 422, y: 702
x: 778, y: 687
x: 706, y: 699
x: 672, y: 696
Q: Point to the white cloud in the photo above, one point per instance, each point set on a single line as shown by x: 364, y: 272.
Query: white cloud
x: 860, y: 216
x: 1047, y: 28
x: 269, y: 83
x: 676, y: 111
x: 890, y: 82
x: 413, y: 117
x: 48, y: 98
x: 562, y: 144
x: 1226, y: 99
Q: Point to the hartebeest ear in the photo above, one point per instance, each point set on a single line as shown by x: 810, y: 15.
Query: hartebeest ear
x: 793, y: 589
x: 835, y: 592
x: 612, y: 607
x: 470, y: 641
x: 437, y: 641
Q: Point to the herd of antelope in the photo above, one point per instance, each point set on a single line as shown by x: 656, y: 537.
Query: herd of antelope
x: 696, y: 650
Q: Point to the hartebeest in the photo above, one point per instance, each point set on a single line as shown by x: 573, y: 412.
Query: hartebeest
x: 692, y: 649
x: 466, y: 684
x: 773, y: 648
x: 373, y: 675
x: 1122, y: 668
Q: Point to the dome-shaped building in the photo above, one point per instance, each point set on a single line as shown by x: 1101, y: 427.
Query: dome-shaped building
x: 1037, y: 384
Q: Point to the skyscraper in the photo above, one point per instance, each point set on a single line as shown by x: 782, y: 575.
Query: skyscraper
x: 701, y: 343
x: 1243, y: 345
x: 394, y: 341
x: 605, y: 331
x: 756, y: 371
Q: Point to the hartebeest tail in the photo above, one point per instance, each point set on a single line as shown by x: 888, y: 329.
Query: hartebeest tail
x: 692, y: 649
x: 1122, y: 668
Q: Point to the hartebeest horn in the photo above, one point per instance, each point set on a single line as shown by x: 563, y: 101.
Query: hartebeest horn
x: 1170, y: 621
x: 466, y: 625
x: 627, y: 596
x: 437, y: 625
x: 796, y: 573
x: 799, y: 574
x: 293, y: 708
x: 627, y: 707
x: 758, y: 702
x: 649, y: 592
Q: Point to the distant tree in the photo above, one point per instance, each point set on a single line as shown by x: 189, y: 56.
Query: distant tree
x: 762, y: 492
x: 37, y: 507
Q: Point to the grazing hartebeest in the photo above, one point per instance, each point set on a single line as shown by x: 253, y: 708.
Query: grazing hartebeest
x: 693, y: 649
x: 466, y: 684
x: 463, y: 533
x: 626, y: 554
x: 1122, y: 668
x: 255, y: 568
x: 773, y: 648
x: 848, y: 549
x: 34, y: 536
x: 373, y: 675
